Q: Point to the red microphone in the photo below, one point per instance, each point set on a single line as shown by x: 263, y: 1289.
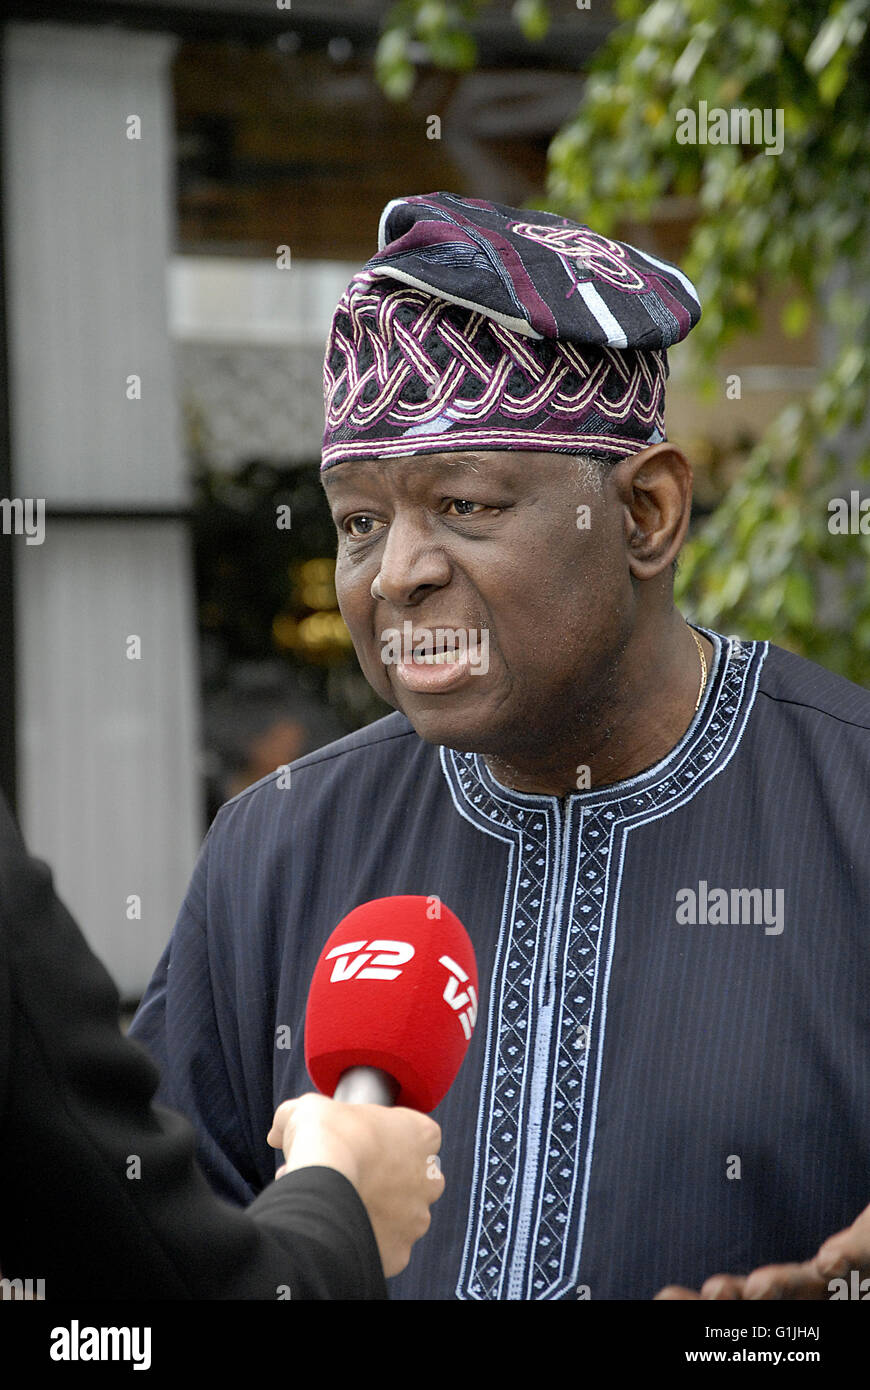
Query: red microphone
x: 392, y: 1004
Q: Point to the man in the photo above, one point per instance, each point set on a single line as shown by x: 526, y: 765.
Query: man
x: 656, y: 836
x: 99, y: 1194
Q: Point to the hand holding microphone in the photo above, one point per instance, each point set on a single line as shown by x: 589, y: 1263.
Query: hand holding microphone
x: 391, y: 1011
x: 390, y: 1156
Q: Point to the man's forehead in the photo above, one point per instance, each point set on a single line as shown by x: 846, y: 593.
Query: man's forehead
x: 455, y: 463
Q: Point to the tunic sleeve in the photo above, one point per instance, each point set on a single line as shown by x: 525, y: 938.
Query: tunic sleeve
x: 190, y: 1039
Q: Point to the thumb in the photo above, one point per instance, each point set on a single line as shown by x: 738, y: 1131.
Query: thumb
x: 281, y: 1122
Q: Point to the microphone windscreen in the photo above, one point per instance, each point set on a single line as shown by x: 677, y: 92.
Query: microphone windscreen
x: 395, y: 988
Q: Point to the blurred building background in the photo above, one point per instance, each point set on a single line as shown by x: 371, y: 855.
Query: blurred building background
x: 186, y: 190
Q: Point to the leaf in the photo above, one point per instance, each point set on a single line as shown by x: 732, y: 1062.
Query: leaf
x: 533, y: 17
x: 826, y: 43
x: 687, y: 63
x: 432, y: 19
x: 455, y: 50
x: 795, y: 317
x: 833, y: 79
x: 798, y: 598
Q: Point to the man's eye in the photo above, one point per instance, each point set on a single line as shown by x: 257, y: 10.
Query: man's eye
x: 360, y: 526
x: 463, y: 506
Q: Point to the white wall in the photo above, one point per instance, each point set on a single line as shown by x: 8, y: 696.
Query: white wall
x: 108, y: 781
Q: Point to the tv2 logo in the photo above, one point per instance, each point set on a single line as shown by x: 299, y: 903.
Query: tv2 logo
x: 458, y: 1001
x: 389, y: 956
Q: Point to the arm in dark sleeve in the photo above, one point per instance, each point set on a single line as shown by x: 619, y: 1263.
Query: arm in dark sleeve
x: 99, y: 1191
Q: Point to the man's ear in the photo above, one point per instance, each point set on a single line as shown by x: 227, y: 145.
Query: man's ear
x: 655, y: 489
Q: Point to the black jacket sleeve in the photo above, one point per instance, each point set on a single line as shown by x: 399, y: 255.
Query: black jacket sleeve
x: 100, y: 1195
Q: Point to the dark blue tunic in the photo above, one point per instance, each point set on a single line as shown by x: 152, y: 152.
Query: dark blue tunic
x: 670, y: 1075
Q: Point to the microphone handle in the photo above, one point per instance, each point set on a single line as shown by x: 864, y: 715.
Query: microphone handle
x: 366, y: 1086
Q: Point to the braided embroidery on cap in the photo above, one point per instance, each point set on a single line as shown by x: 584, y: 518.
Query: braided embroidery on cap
x: 402, y: 366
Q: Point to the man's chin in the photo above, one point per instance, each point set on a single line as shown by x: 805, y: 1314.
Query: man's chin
x: 467, y: 731
x: 462, y: 718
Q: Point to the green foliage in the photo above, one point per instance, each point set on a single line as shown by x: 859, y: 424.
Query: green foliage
x: 533, y: 17
x: 434, y: 31
x: 766, y: 563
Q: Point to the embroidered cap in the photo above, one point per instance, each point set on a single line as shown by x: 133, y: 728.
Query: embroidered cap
x: 476, y: 326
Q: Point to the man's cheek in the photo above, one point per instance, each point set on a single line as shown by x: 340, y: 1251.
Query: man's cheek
x: 356, y: 612
x: 373, y: 666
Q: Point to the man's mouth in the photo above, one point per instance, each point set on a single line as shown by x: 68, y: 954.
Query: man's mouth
x: 433, y: 671
x: 438, y: 656
x: 433, y: 658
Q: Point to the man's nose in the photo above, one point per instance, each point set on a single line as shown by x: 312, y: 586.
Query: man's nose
x: 412, y: 563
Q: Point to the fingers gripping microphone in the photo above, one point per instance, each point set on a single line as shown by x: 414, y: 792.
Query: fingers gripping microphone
x: 392, y: 1004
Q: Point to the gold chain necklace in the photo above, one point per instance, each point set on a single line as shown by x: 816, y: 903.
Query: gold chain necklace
x: 703, y: 668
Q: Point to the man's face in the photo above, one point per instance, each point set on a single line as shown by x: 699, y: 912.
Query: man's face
x: 493, y: 545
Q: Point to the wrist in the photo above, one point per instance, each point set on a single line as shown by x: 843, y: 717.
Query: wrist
x: 324, y: 1151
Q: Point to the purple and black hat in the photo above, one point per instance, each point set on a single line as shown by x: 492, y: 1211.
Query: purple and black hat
x: 483, y: 327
